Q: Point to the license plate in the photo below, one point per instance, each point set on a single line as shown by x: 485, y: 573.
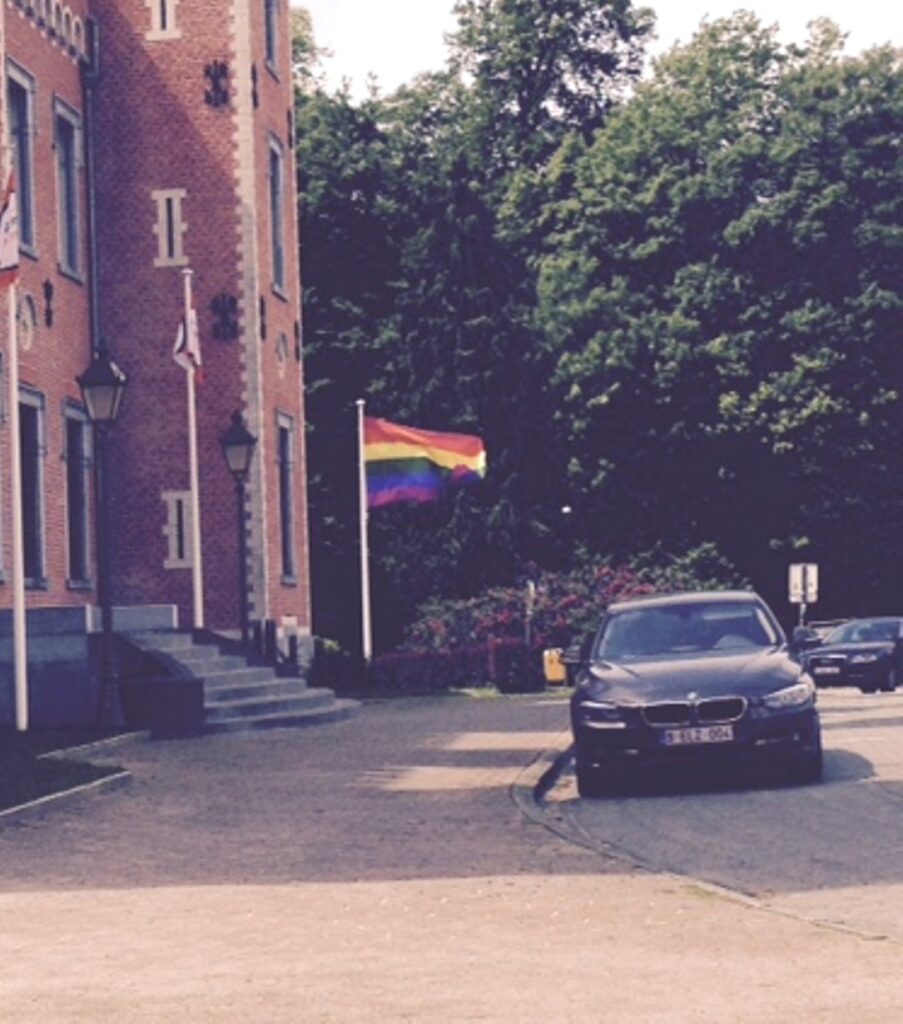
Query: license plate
x: 697, y: 734
x: 826, y: 670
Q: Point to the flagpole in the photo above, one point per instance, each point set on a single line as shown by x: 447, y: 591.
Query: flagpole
x: 197, y: 572
x: 366, y: 638
x: 17, y: 581
x: 20, y: 636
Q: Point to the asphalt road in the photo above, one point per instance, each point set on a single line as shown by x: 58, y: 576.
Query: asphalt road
x: 831, y: 852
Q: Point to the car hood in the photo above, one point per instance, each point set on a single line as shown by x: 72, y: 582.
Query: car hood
x: 710, y: 675
x: 846, y: 649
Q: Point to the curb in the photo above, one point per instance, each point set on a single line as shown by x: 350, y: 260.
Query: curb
x: 529, y: 789
x: 15, y: 814
x: 97, y: 746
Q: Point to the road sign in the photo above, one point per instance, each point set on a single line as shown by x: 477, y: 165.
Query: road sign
x: 803, y: 583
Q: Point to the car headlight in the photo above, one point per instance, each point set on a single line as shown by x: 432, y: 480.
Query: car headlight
x: 865, y: 658
x: 791, y: 696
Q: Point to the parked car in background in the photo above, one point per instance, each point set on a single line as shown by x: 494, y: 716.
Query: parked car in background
x: 696, y: 678
x: 867, y: 653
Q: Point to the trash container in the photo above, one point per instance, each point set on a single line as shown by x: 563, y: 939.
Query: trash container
x: 553, y: 667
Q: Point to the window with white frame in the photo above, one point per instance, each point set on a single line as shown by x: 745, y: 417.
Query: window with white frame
x: 271, y: 32
x: 31, y: 468
x: 277, y: 211
x: 170, y: 227
x: 67, y: 130
x: 285, y: 453
x: 163, y: 19
x: 78, y: 476
x: 20, y: 89
x: 177, y: 529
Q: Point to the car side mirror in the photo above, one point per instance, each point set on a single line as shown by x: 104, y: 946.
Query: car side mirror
x: 804, y: 638
x: 578, y: 652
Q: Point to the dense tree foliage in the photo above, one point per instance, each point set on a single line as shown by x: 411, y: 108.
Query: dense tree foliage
x: 669, y: 305
x: 721, y: 289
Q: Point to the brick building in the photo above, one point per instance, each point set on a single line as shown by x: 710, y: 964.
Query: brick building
x: 151, y: 137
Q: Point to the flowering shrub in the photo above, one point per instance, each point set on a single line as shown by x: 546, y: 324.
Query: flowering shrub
x: 563, y: 605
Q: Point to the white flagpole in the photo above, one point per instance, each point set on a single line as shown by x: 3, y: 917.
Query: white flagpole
x: 17, y: 581
x: 20, y: 637
x: 366, y: 638
x: 196, y: 561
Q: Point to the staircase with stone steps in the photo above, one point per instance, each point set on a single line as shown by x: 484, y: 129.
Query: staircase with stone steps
x: 239, y: 695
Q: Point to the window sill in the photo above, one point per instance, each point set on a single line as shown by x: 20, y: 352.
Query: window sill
x: 37, y: 584
x: 79, y: 585
x: 289, y: 581
x: 29, y: 250
x: 72, y: 275
x: 280, y: 292
x: 271, y: 67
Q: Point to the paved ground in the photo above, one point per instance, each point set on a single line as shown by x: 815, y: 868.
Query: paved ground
x: 833, y: 852
x: 379, y: 870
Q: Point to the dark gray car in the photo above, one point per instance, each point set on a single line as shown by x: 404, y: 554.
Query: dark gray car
x: 692, y: 679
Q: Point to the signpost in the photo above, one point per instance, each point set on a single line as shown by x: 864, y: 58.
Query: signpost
x: 803, y: 586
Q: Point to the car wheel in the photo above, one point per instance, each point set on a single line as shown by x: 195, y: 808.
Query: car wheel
x: 870, y: 688
x: 589, y: 778
x: 890, y: 682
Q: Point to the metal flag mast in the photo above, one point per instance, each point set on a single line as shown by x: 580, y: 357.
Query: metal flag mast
x: 197, y: 570
x: 20, y: 637
x: 366, y: 637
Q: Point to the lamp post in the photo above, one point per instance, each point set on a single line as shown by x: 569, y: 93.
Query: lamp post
x: 102, y: 386
x: 238, y: 445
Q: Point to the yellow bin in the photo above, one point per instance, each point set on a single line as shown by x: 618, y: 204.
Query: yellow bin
x: 553, y: 667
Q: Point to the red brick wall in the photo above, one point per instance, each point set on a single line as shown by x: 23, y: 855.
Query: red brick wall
x: 156, y: 131
x: 282, y: 381
x: 61, y: 350
x: 153, y: 130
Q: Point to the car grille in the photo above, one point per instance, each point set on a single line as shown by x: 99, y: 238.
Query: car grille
x: 714, y: 709
x: 828, y: 660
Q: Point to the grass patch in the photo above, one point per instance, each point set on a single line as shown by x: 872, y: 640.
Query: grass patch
x: 25, y: 776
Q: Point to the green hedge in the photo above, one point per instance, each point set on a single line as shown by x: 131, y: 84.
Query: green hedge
x: 509, y: 665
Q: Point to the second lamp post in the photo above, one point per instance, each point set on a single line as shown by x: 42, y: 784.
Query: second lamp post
x: 238, y: 445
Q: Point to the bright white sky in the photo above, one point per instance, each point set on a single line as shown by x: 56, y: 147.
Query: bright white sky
x: 397, y: 39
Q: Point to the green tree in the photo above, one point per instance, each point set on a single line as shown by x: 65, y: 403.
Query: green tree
x: 719, y: 291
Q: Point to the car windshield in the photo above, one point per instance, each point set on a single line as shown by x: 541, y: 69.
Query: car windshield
x: 689, y: 628
x: 865, y: 631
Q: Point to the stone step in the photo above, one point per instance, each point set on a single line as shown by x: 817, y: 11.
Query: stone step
x: 254, y: 707
x: 202, y: 663
x: 335, y: 711
x: 236, y: 676
x: 219, y: 692
x: 171, y: 642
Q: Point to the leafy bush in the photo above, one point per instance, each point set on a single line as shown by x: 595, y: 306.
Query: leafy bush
x: 564, y: 605
x: 508, y: 664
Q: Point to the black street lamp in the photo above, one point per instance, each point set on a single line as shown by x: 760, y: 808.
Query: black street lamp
x: 102, y: 387
x: 238, y: 445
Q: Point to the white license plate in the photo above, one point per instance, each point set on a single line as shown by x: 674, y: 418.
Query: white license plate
x: 697, y: 734
x: 826, y: 670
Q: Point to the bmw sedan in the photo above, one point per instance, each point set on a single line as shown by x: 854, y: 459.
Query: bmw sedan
x: 867, y: 653
x: 692, y: 678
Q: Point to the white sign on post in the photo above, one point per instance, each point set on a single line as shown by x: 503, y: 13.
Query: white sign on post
x: 803, y: 583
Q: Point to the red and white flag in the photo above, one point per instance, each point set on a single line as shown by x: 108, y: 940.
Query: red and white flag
x: 9, y: 233
x: 187, y: 349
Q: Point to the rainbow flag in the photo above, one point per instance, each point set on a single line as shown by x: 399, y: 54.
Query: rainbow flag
x: 407, y: 464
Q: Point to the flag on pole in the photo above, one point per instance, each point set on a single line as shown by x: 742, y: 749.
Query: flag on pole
x: 187, y: 349
x: 409, y: 464
x: 9, y: 233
